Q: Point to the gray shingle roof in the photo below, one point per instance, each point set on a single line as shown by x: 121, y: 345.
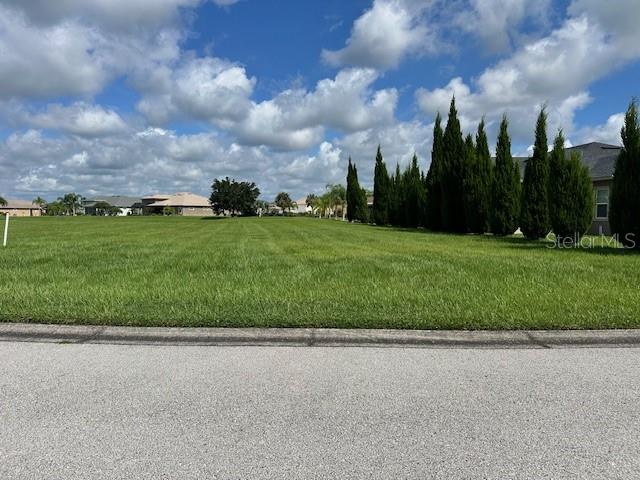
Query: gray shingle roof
x: 113, y: 200
x: 600, y: 158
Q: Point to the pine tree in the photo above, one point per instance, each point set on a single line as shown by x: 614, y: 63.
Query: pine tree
x: 453, y: 174
x: 434, y: 179
x: 624, y: 216
x: 534, y: 218
x: 570, y: 193
x: 381, y: 191
x: 506, y: 186
x: 485, y: 178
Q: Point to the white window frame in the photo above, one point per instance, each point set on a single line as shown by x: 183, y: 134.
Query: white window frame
x: 595, y: 213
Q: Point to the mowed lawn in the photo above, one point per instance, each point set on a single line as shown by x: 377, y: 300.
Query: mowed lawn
x: 283, y: 272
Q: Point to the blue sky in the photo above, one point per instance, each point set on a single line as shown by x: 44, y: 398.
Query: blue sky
x: 142, y: 96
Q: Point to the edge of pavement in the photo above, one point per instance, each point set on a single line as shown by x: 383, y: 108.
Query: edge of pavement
x: 79, y: 334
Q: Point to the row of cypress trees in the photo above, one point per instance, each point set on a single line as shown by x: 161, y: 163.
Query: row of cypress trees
x: 465, y: 191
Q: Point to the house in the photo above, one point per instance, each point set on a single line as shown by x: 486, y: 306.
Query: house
x: 302, y: 207
x: 20, y: 208
x: 600, y: 159
x: 182, y: 203
x: 127, y: 205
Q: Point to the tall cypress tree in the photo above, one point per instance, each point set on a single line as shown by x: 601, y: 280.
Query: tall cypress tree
x: 485, y: 177
x: 414, y: 195
x: 396, y: 215
x: 506, y: 186
x: 453, y: 174
x: 534, y: 218
x: 363, y: 208
x: 570, y: 193
x: 625, y: 189
x: 352, y: 202
x: 381, y: 191
x: 472, y: 188
x: 356, y: 201
x: 434, y: 179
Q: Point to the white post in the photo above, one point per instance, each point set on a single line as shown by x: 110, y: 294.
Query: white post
x: 6, y: 230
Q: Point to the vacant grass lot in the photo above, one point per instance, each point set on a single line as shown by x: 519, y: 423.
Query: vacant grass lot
x: 304, y: 272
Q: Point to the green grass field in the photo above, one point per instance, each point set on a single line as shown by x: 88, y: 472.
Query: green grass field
x: 285, y: 272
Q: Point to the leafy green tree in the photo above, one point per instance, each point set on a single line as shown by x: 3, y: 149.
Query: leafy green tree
x: 71, y: 203
x: 102, y: 208
x: 624, y: 216
x: 227, y: 195
x: 337, y: 199
x: 434, y: 179
x: 570, y: 193
x: 40, y: 202
x: 534, y: 217
x: 3, y: 202
x: 262, y: 207
x: 506, y: 186
x: 453, y: 218
x: 381, y: 191
x: 283, y: 200
x: 311, y: 200
x: 323, y: 204
x: 55, y: 209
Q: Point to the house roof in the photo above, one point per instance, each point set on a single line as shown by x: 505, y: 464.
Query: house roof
x: 157, y: 196
x: 182, y: 199
x: 19, y: 205
x: 600, y: 158
x: 119, y: 201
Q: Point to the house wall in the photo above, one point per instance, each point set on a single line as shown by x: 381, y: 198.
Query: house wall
x: 195, y: 211
x: 599, y: 225
x: 20, y: 212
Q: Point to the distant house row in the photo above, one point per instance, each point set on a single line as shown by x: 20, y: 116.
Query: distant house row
x: 182, y: 203
x: 600, y: 159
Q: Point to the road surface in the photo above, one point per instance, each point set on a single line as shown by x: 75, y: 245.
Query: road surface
x: 130, y: 411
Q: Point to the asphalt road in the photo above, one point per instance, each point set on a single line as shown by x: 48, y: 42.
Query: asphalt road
x: 113, y: 411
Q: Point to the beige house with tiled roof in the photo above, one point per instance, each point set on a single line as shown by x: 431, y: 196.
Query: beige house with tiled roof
x: 183, y: 203
x: 20, y: 208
